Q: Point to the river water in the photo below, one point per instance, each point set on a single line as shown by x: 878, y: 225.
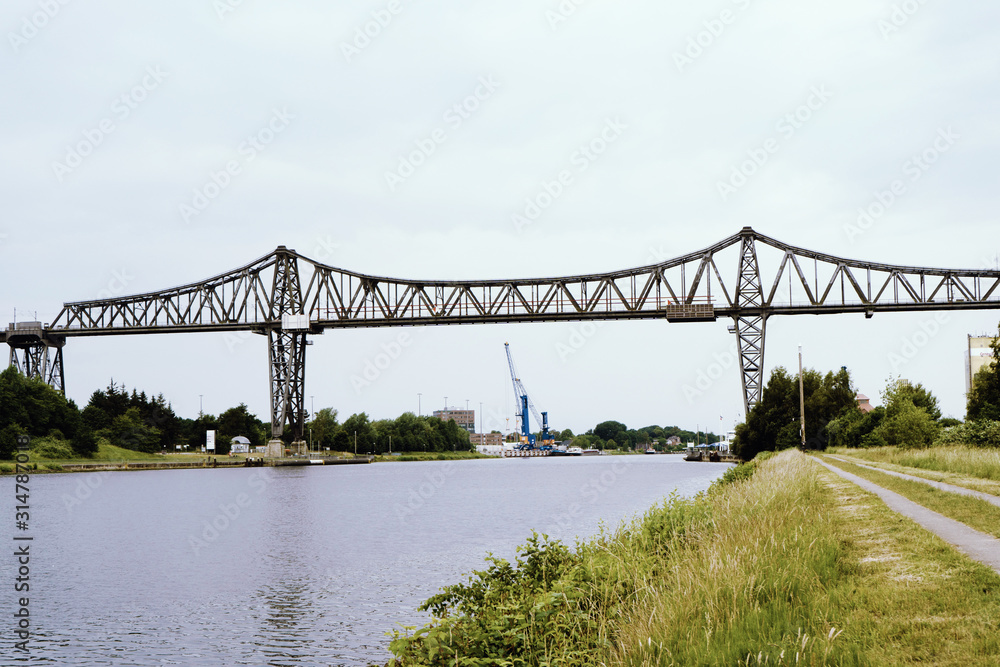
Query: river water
x: 292, y: 566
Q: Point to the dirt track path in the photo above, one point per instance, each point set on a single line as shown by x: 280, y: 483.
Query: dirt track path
x: 978, y: 546
x: 951, y: 488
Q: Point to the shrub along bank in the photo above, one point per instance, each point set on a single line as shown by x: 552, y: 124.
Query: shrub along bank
x: 773, y: 566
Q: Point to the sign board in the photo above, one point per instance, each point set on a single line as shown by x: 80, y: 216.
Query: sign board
x: 23, y: 442
x: 210, y: 440
x: 295, y: 322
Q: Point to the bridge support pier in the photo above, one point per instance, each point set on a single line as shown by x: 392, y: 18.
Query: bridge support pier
x: 35, y: 354
x: 751, y: 321
x: 287, y: 357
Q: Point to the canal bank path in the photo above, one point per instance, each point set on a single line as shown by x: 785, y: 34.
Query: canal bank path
x: 978, y: 546
x: 941, y: 486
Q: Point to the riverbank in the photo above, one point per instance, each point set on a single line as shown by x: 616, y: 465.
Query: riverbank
x: 782, y: 562
x: 109, y: 457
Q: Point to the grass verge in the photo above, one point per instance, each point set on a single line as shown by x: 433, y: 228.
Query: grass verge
x: 973, y: 512
x: 978, y: 462
x: 782, y: 563
x: 956, y: 479
x: 433, y: 456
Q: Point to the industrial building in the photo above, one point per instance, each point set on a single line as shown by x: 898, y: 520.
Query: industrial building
x: 980, y: 354
x: 464, y: 418
x: 484, y: 439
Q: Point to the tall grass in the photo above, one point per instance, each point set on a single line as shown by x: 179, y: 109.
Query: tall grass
x: 737, y: 576
x: 781, y: 563
x: 959, y: 459
x: 751, y: 587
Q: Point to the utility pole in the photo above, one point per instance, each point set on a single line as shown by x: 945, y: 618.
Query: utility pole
x: 419, y: 412
x: 200, y: 410
x: 802, y: 401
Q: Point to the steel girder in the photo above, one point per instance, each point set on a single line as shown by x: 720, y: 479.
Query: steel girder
x: 751, y: 322
x: 43, y: 360
x: 287, y: 349
x: 260, y: 295
x: 287, y: 357
x: 690, y: 287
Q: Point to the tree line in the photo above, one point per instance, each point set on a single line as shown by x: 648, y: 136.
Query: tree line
x: 908, y: 417
x: 134, y: 420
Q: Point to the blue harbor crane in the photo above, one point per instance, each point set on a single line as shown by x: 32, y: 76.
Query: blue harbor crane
x: 524, y: 404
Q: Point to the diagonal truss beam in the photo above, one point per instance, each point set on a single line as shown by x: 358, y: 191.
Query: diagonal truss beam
x: 263, y: 294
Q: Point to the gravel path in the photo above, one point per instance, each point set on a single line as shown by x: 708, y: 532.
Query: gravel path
x: 995, y: 500
x: 978, y: 546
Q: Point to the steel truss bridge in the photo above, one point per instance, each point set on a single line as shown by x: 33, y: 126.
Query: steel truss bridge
x: 287, y: 297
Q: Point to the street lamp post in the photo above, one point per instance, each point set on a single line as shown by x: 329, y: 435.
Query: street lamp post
x: 802, y: 401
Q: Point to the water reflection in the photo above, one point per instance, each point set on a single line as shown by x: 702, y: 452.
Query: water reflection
x: 316, y: 566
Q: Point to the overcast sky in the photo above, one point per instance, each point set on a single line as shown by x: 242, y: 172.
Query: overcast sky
x: 118, y: 114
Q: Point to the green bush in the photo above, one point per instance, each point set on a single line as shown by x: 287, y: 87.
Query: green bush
x: 740, y: 472
x: 554, y: 605
x: 981, y: 433
x: 872, y: 440
x: 52, y: 448
x: 908, y: 426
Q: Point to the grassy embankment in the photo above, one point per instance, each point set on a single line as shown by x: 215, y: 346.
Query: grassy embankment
x: 791, y: 565
x: 49, y: 458
x: 433, y: 456
x: 975, y: 468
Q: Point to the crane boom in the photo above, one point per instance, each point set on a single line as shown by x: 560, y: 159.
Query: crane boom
x: 524, y: 404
